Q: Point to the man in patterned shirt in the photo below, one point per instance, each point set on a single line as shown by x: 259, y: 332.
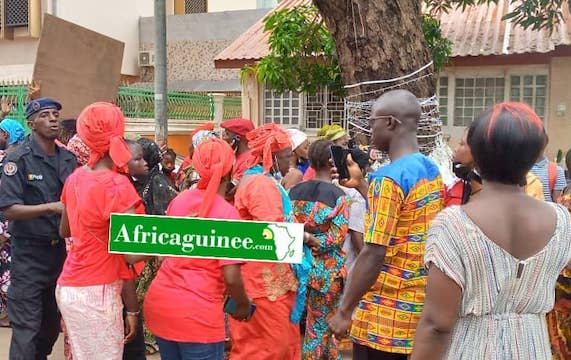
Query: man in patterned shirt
x: 385, y: 291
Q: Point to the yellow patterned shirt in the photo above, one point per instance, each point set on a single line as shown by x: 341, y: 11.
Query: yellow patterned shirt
x: 404, y: 197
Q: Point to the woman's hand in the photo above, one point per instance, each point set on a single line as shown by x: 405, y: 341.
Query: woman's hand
x: 242, y: 312
x: 5, y: 107
x: 292, y: 178
x: 131, y: 321
x: 311, y: 241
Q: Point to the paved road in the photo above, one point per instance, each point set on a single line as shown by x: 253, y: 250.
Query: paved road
x: 57, y: 353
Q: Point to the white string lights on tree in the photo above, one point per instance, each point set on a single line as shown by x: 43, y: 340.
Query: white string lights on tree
x: 430, y: 136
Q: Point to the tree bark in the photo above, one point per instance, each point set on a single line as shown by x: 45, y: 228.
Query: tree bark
x: 378, y: 40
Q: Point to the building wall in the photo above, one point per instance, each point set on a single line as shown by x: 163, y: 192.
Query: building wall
x: 116, y: 19
x: 194, y: 40
x: 558, y: 107
x: 230, y: 5
x: 559, y: 125
x: 18, y: 52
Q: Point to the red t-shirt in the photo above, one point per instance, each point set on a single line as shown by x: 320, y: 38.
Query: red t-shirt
x: 309, y: 174
x: 453, y: 194
x: 185, y: 300
x: 89, y: 198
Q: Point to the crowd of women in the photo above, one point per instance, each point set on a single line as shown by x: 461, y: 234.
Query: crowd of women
x: 494, y: 263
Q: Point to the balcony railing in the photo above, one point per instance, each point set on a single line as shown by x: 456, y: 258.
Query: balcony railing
x: 138, y: 103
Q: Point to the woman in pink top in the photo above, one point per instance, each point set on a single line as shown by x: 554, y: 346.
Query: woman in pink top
x: 184, y: 304
x: 92, y: 280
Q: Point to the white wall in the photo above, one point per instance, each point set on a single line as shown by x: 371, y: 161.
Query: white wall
x: 229, y: 5
x: 118, y: 19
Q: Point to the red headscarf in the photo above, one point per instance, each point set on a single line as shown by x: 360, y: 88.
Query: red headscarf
x: 101, y: 126
x: 212, y: 159
x: 265, y: 140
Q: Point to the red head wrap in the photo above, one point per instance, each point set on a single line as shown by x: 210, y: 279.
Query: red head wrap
x: 238, y: 126
x: 264, y: 141
x: 101, y: 126
x: 212, y: 159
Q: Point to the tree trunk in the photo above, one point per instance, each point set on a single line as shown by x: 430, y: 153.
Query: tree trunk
x: 378, y: 40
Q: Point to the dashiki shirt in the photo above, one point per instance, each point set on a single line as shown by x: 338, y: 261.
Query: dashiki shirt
x: 403, y: 199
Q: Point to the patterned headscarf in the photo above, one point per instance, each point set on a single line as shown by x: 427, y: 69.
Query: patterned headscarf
x: 101, y: 126
x: 263, y: 142
x: 201, y: 136
x: 331, y: 132
x: 78, y: 147
x: 209, y: 126
x: 212, y: 159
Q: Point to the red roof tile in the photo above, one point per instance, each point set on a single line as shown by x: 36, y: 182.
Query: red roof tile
x: 477, y: 31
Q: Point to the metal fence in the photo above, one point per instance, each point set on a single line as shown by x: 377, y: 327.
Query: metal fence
x: 17, y: 96
x: 139, y: 103
x: 232, y: 107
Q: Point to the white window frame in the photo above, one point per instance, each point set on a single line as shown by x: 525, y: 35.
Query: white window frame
x: 302, y: 111
x: 262, y: 104
x: 489, y: 71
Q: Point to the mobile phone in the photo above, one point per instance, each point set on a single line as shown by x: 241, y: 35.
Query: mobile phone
x: 339, y: 156
x: 230, y: 307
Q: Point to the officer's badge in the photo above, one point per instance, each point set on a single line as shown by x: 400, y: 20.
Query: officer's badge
x: 10, y: 168
x: 36, y: 105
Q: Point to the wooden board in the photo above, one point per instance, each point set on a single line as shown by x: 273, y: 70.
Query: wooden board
x: 77, y: 66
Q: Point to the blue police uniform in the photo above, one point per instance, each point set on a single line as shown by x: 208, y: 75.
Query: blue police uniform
x: 31, y: 177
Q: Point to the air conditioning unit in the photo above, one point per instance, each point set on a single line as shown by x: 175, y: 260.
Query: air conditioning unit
x: 146, y: 58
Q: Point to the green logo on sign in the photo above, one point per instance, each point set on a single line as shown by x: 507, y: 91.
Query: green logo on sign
x: 205, y: 238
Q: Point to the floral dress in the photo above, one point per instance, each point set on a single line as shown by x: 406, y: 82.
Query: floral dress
x: 559, y: 319
x: 324, y: 209
x: 5, y: 260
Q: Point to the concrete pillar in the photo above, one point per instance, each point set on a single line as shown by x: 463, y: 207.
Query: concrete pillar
x: 35, y: 18
x: 559, y: 114
x: 178, y: 7
x: 218, y: 108
x: 251, y: 99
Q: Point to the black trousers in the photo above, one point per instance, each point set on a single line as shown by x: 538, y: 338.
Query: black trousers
x: 32, y: 307
x: 361, y: 352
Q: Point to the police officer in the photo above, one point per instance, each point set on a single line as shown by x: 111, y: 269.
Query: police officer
x: 30, y: 190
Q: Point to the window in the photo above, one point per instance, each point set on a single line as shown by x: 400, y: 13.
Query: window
x: 443, y: 99
x: 16, y: 12
x: 304, y: 111
x: 473, y: 95
x: 531, y: 90
x: 284, y: 109
x: 324, y: 108
x: 195, y: 6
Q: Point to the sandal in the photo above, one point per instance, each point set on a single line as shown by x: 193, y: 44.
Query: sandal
x: 151, y: 349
